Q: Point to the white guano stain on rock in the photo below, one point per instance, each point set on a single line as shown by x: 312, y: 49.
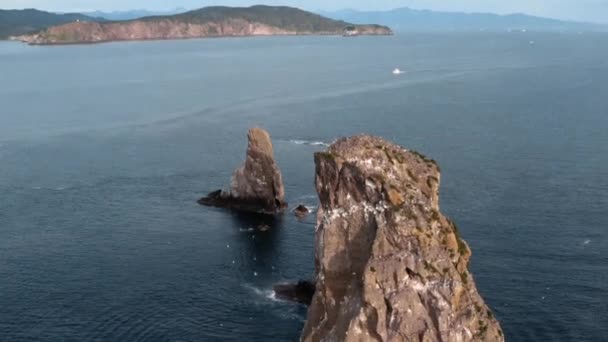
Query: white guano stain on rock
x: 389, y: 265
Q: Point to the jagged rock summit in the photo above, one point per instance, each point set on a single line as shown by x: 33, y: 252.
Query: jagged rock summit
x: 389, y: 266
x: 257, y: 185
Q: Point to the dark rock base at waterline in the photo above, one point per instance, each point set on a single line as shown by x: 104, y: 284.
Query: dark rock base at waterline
x: 301, y: 292
x: 221, y: 199
x: 301, y: 211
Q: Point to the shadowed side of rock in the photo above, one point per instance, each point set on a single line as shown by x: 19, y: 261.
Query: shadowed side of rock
x: 389, y: 266
x: 300, y: 292
x: 257, y: 185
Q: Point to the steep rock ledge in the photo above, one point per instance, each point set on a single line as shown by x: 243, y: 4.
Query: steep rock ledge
x: 257, y: 185
x: 389, y: 265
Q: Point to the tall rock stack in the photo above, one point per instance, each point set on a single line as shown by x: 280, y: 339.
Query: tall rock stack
x: 389, y: 265
x: 257, y: 185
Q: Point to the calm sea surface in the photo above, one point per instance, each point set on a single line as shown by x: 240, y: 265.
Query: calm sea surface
x: 104, y: 150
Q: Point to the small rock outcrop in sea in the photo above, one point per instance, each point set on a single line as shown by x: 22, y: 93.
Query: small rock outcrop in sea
x: 257, y: 185
x: 389, y: 266
x: 301, y: 211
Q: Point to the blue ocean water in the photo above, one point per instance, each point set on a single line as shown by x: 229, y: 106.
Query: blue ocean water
x: 104, y: 150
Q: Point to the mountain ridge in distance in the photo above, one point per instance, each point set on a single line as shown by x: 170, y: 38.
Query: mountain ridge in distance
x: 133, y: 14
x: 408, y: 19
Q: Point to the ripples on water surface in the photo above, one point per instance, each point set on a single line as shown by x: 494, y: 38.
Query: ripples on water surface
x: 104, y: 150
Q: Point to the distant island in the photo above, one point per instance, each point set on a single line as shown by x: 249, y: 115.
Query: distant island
x: 201, y: 23
x: 408, y: 19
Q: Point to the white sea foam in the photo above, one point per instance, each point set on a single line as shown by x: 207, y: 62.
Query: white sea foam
x: 311, y: 202
x: 59, y: 188
x: 587, y: 242
x: 309, y: 143
x: 269, y: 300
x: 311, y: 208
x: 268, y: 294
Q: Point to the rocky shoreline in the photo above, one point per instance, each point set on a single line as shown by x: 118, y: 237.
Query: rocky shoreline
x: 93, y: 33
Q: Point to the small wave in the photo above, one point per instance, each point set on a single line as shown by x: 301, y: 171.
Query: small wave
x: 59, y: 188
x: 247, y: 230
x: 268, y: 294
x: 586, y: 242
x: 311, y: 202
x: 309, y: 143
x: 270, y: 300
x: 311, y: 208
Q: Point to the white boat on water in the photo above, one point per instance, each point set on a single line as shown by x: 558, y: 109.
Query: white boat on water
x: 397, y: 71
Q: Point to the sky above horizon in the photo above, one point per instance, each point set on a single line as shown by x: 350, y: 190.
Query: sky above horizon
x: 580, y: 10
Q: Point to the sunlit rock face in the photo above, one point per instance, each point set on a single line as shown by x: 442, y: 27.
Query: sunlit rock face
x: 389, y: 265
x: 257, y: 185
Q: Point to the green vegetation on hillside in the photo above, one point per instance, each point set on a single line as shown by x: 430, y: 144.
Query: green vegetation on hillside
x: 18, y: 22
x: 287, y: 18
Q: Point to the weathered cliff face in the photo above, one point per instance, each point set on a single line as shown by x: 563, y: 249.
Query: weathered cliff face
x: 91, y: 32
x: 257, y: 185
x: 389, y: 265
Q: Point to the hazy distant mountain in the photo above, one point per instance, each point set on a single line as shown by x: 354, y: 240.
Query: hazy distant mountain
x: 18, y: 22
x: 411, y: 19
x: 133, y: 14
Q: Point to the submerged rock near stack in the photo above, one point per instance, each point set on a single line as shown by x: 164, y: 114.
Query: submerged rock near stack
x: 301, y: 211
x: 257, y: 185
x: 389, y: 266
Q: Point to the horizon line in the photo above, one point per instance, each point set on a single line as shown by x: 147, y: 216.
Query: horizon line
x: 317, y: 11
